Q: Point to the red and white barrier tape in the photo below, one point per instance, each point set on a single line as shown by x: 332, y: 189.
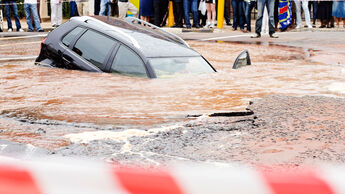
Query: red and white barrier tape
x: 17, y: 177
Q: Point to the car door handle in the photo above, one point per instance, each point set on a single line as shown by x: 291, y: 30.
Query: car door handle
x: 66, y: 59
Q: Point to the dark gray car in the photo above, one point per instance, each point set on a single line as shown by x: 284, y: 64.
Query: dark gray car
x: 131, y: 47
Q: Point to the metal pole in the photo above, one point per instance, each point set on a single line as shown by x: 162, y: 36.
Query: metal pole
x: 220, y: 16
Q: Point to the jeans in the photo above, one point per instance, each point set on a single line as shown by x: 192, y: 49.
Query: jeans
x: 191, y: 5
x: 270, y: 8
x: 305, y: 10
x: 238, y: 12
x: 13, y: 5
x: 74, y: 11
x: 105, y: 8
x: 249, y: 7
x: 314, y: 4
x: 32, y: 8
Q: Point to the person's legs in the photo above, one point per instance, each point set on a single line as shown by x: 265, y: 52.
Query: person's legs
x: 35, y: 16
x: 157, y: 13
x: 59, y: 14
x: 258, y: 23
x: 73, y: 8
x: 249, y: 7
x: 103, y: 7
x: 298, y: 13
x: 132, y: 9
x: 194, y: 7
x: 8, y: 16
x: 241, y: 14
x: 270, y: 9
x: 28, y: 17
x: 85, y: 6
x: 314, y: 11
x: 53, y: 7
x: 16, y: 16
x: 209, y: 15
x: 227, y: 12
x: 235, y: 13
x: 214, y: 13
x: 186, y: 8
x: 306, y: 13
x: 122, y: 9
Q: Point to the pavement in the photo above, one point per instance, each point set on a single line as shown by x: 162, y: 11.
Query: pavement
x: 226, y: 29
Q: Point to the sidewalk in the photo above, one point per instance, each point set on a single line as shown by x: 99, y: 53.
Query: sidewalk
x: 47, y: 28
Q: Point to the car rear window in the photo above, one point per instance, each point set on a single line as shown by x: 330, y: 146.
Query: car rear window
x: 68, y: 39
x: 94, y: 47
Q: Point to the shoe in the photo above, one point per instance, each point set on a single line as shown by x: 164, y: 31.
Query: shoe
x: 274, y: 35
x: 228, y: 24
x: 9, y: 30
x: 256, y: 36
x: 1, y: 30
x: 234, y: 29
x: 20, y: 30
x: 310, y: 27
x: 40, y: 30
x: 196, y: 26
x: 305, y: 26
x: 177, y: 26
x: 30, y: 31
x: 54, y: 25
x: 208, y: 25
x: 298, y: 27
x: 243, y: 30
x: 188, y: 27
x: 322, y: 26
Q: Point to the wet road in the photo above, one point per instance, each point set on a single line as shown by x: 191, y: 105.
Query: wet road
x: 39, y: 105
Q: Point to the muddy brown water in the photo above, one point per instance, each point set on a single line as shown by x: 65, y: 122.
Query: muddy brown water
x: 32, y: 93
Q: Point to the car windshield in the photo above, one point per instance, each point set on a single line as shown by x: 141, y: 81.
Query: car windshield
x: 174, y: 66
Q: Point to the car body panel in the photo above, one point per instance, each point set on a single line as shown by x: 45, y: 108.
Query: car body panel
x: 144, y: 42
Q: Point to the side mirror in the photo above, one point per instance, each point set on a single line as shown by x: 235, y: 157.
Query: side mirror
x: 242, y: 60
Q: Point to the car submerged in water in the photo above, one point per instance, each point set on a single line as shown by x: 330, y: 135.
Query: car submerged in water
x: 130, y: 47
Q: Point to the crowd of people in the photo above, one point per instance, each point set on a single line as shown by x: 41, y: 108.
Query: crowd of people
x: 269, y: 13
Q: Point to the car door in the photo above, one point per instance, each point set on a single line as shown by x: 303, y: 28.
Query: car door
x: 126, y: 61
x: 90, y: 51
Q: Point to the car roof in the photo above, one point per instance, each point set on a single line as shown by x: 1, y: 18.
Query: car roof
x: 150, y: 42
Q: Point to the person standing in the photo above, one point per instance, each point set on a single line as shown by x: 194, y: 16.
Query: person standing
x: 191, y: 5
x: 324, y: 13
x: 11, y: 4
x: 269, y: 4
x: 178, y: 13
x: 83, y: 7
x: 160, y: 9
x: 250, y: 4
x: 227, y: 12
x: 105, y: 8
x: 238, y: 14
x: 306, y: 13
x: 146, y: 10
x: 211, y: 13
x: 73, y: 6
x: 30, y: 7
x: 124, y: 6
x: 338, y: 12
x: 56, y: 12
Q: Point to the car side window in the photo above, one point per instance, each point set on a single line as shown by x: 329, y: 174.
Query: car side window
x: 68, y: 39
x: 129, y: 63
x: 94, y: 47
